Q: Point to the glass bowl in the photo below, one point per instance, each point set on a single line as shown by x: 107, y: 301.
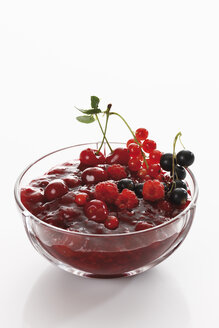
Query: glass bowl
x: 101, y: 255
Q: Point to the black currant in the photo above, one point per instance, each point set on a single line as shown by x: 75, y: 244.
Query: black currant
x: 166, y: 187
x: 180, y: 172
x: 178, y: 196
x: 180, y: 184
x: 185, y: 158
x: 138, y: 189
x: 166, y: 161
x: 125, y: 184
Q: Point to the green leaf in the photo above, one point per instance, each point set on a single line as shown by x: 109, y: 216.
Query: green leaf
x: 94, y: 102
x: 86, y: 119
x: 89, y: 111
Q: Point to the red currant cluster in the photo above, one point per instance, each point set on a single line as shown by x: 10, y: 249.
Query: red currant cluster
x: 121, y: 178
x: 143, y: 156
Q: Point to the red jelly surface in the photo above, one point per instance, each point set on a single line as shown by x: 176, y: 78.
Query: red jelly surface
x: 58, y: 208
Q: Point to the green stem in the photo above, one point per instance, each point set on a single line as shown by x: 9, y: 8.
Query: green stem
x: 104, y: 134
x: 179, y: 134
x: 128, y: 126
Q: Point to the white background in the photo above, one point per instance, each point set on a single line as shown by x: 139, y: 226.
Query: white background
x: 158, y: 63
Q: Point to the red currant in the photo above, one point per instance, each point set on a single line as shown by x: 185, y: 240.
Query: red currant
x: 130, y: 141
x: 155, y: 156
x: 111, y: 222
x: 149, y: 145
x: 141, y: 134
x: 142, y: 173
x: 134, y: 164
x: 154, y: 170
x: 134, y: 149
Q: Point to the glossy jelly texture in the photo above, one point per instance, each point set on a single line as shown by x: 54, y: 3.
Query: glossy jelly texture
x: 59, y: 208
x: 89, y: 246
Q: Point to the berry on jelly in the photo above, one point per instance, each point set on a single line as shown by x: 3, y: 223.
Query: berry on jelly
x: 119, y: 156
x: 91, y: 157
x: 81, y: 199
x: 127, y: 200
x: 111, y: 222
x: 178, y: 196
x: 93, y: 175
x: 116, y: 172
x: 125, y: 184
x: 55, y: 189
x: 96, y: 210
x: 139, y: 189
x: 107, y: 192
x: 142, y: 225
x: 153, y: 190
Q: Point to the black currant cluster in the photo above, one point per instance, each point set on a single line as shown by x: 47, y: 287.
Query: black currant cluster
x: 129, y: 184
x: 177, y: 190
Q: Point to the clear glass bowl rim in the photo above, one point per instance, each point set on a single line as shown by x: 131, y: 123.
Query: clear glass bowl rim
x: 30, y: 215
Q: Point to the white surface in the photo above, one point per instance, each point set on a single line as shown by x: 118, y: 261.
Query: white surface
x: 157, y: 62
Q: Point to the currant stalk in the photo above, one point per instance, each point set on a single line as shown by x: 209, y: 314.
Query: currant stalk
x: 105, y: 129
x: 103, y: 132
x: 128, y: 126
x: 179, y: 134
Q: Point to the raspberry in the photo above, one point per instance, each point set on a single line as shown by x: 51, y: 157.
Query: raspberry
x: 153, y: 190
x: 127, y: 200
x: 116, y: 172
x: 111, y: 222
x: 106, y: 191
